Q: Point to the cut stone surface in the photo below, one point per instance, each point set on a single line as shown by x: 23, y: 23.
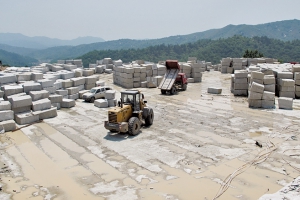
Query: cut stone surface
x: 89, y: 86
x: 42, y: 104
x: 269, y: 88
x: 287, y: 88
x: 286, y: 82
x: 214, y: 90
x: 51, y: 90
x: 285, y: 103
x: 37, y: 95
x: 8, y: 78
x: 257, y: 75
x: 67, y: 83
x: 268, y: 80
x: 5, y: 105
x: 285, y: 75
x: 46, y: 114
x: 8, y: 125
x: 101, y: 103
x: 255, y: 95
x: 62, y: 92
x: 72, y: 90
x: 268, y: 104
x: 22, y: 109
x: 6, y: 115
x: 260, y: 81
x: 78, y: 81
x: 32, y: 87
x: 268, y: 95
x: 241, y: 86
x: 255, y: 103
x: 241, y: 80
x: 112, y: 102
x: 67, y: 103
x: 24, y: 77
x: 11, y: 90
x: 21, y: 101
x: 26, y: 118
x: 56, y: 105
x: 256, y: 87
x: 46, y: 83
x: 287, y: 94
x: 110, y: 94
x: 56, y: 98
x: 35, y: 76
x: 1, y: 93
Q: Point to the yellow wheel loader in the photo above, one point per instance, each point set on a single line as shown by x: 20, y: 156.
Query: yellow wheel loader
x: 130, y: 114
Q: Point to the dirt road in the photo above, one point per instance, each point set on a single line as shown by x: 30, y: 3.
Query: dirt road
x: 196, y: 141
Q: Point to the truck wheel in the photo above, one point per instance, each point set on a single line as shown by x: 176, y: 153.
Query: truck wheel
x: 163, y: 91
x: 134, y: 126
x: 172, y: 91
x: 92, y: 100
x: 184, y: 87
x: 150, y: 117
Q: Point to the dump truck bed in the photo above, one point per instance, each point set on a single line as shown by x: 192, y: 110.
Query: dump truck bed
x: 173, y: 69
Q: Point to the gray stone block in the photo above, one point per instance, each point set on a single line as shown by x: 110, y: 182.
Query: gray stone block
x: 46, y: 83
x: 285, y: 75
x: 72, y: 90
x: 267, y: 104
x: 56, y: 105
x: 240, y: 86
x: 260, y: 81
x: 6, y: 115
x: 80, y: 87
x: 287, y: 88
x: 287, y: 94
x: 73, y: 96
x: 253, y: 103
x: 37, y: 95
x: 5, y: 105
x: 78, y: 81
x: 112, y: 102
x: 51, y: 90
x: 8, y: 125
x: 110, y: 94
x: 57, y: 85
x: 268, y: 95
x: 8, y: 78
x: 55, y: 98
x: 269, y: 88
x: 67, y: 83
x: 62, y: 92
x: 67, y: 75
x: 89, y: 86
x: 23, y: 77
x: 42, y: 104
x: 22, y: 109
x: 285, y: 103
x: 1, y: 93
x: 241, y: 80
x: 88, y: 72
x: 17, y: 102
x: 257, y: 75
x: 68, y: 103
x: 91, y: 80
x: 286, y: 82
x: 256, y: 87
x: 269, y: 80
x: 255, y: 95
x: 11, y: 90
x: 46, y: 114
x: 56, y: 68
x: 214, y: 90
x: 32, y: 87
x: 101, y: 103
x: 26, y: 118
x: 35, y: 76
x: 297, y: 76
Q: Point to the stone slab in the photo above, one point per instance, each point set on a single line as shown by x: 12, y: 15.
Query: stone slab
x: 11, y: 90
x: 255, y: 95
x: 253, y: 103
x: 68, y: 103
x: 55, y: 98
x: 268, y: 104
x: 285, y: 75
x: 56, y: 105
x: 22, y: 109
x: 6, y: 115
x: 73, y: 96
x: 110, y: 94
x: 241, y: 81
x: 51, y: 90
x: 37, y: 95
x: 257, y: 75
x: 256, y: 87
x: 5, y: 105
x: 62, y: 92
x: 101, y: 103
x: 214, y: 90
x: 32, y: 87
x: 67, y: 83
x: 46, y: 114
x: 240, y: 86
x: 287, y: 94
x: 42, y: 104
x: 72, y: 90
x: 286, y: 82
x: 269, y: 88
x: 20, y: 101
x: 78, y: 81
x: 46, y: 83
x: 268, y: 95
x: 112, y: 102
x: 269, y: 80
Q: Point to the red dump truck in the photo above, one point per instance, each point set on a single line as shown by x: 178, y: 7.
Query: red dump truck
x: 173, y: 81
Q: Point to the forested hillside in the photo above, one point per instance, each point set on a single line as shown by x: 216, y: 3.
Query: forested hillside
x: 13, y: 59
x: 208, y: 50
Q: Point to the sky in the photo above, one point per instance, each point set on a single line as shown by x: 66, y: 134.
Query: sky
x: 136, y: 19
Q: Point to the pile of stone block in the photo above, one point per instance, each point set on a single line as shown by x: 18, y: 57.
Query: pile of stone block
x: 110, y: 96
x: 77, y: 63
x: 7, y: 122
x: 296, y: 72
x: 285, y: 84
x: 226, y: 65
x: 239, y: 83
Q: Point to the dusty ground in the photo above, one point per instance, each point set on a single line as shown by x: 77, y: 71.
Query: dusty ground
x: 196, y: 141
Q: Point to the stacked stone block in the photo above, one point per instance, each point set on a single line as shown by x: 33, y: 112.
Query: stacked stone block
x: 110, y: 96
x: 239, y: 83
x: 226, y: 65
x: 285, y: 84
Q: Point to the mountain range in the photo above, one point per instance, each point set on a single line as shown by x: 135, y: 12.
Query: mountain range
x: 287, y: 30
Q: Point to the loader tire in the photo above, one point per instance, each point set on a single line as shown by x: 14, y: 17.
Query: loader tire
x: 134, y: 126
x: 150, y: 117
x: 163, y: 91
x: 173, y: 90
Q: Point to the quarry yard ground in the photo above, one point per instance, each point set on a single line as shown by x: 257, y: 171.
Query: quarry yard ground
x: 196, y: 141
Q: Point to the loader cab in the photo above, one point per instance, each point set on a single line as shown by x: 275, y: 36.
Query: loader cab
x: 131, y: 97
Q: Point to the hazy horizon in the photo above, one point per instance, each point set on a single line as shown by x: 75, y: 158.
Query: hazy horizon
x: 70, y: 19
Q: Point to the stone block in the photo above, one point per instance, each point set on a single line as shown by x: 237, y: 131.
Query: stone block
x: 295, y: 68
x: 240, y: 86
x: 1, y: 93
x: 73, y: 96
x: 26, y: 118
x: 5, y: 105
x: 68, y: 103
x: 260, y: 81
x: 17, y: 102
x: 285, y: 75
x: 56, y: 68
x: 56, y: 105
x: 297, y: 88
x: 21, y: 109
x: 23, y: 77
x: 287, y: 88
x: 35, y: 76
x: 42, y: 104
x: 91, y: 80
x: 78, y: 81
x: 58, y: 85
x: 267, y: 104
x: 254, y: 103
x: 286, y: 82
x: 6, y: 115
x: 197, y: 80
x: 257, y: 75
x: 256, y: 87
x: 285, y: 103
x: 110, y: 94
x: 101, y: 103
x: 297, y: 82
x: 46, y: 83
x: 46, y: 114
x: 37, y: 95
x: 67, y: 83
x: 89, y: 86
x: 67, y: 75
x: 32, y: 87
x: 268, y: 95
x: 144, y: 84
x: 269, y: 80
x: 214, y: 90
x: 11, y: 90
x: 55, y: 98
x: 230, y: 70
x: 269, y: 88
x: 240, y: 92
x: 51, y: 90
x: 88, y: 72
x: 72, y: 90
x: 62, y: 92
x: 241, y: 81
x: 287, y: 94
x: 8, y: 125
x: 297, y: 76
x: 112, y: 102
x: 100, y: 83
x: 255, y: 95
x: 8, y: 78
